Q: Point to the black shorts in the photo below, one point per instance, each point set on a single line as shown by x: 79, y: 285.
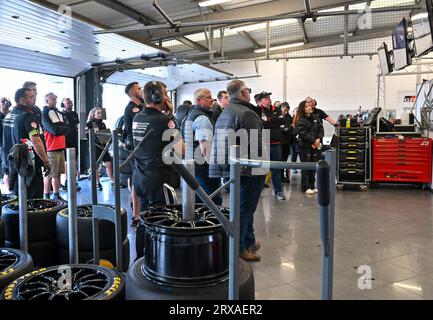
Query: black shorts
x: 149, y: 187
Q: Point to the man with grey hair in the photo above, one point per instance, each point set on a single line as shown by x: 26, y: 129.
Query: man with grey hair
x: 55, y: 130
x: 197, y: 131
x: 240, y: 116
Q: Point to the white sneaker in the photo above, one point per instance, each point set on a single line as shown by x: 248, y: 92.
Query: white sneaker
x: 309, y: 192
x: 315, y: 190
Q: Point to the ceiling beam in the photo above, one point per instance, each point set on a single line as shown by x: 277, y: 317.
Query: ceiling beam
x: 304, y: 30
x: 250, y: 39
x: 192, y: 44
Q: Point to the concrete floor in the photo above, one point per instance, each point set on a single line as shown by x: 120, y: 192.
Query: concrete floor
x: 389, y: 229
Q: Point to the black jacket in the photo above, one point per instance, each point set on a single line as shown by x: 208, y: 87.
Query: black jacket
x: 238, y: 115
x: 72, y: 120
x: 56, y: 126
x: 216, y: 112
x: 182, y: 112
x: 273, y: 120
x: 308, y: 129
x: 287, y: 132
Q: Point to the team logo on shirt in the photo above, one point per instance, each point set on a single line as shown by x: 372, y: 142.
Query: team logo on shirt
x: 135, y: 109
x: 171, y: 124
x: 34, y: 125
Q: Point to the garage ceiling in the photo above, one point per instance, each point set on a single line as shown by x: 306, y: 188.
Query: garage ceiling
x: 234, y: 45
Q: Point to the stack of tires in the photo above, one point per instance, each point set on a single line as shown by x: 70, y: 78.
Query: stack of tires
x: 5, y: 199
x: 13, y: 264
x: 41, y: 229
x: 107, y: 244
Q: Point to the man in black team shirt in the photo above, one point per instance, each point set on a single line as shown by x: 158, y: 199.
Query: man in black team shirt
x: 37, y: 111
x: 151, y: 172
x: 27, y: 127
x: 5, y: 104
x: 134, y: 106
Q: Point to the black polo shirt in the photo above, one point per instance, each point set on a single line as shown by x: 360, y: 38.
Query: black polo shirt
x: 149, y: 156
x: 130, y: 111
x: 73, y: 121
x: 26, y: 124
x: 319, y: 113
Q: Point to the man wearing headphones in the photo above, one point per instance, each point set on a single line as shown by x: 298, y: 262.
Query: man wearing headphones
x: 151, y: 172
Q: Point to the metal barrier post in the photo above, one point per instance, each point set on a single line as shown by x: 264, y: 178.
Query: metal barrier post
x: 235, y: 220
x: 72, y: 206
x: 331, y: 159
x: 117, y: 220
x: 188, y: 195
x: 23, y: 217
x: 92, y: 157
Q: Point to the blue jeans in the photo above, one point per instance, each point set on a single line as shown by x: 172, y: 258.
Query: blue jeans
x: 209, y: 185
x: 251, y: 188
x: 276, y: 173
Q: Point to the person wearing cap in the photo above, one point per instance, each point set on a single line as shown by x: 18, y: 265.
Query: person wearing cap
x: 241, y: 116
x: 197, y: 132
x: 133, y: 91
x: 55, y: 130
x: 273, y: 120
x: 72, y: 119
x: 319, y: 113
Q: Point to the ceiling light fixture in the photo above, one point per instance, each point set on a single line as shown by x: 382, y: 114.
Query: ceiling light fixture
x: 211, y: 3
x: 258, y: 26
x: 284, y: 46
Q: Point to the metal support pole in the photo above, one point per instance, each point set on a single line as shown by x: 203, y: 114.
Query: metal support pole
x: 235, y: 220
x: 188, y: 195
x: 117, y: 224
x: 72, y: 206
x: 331, y: 159
x: 92, y: 157
x: 23, y: 218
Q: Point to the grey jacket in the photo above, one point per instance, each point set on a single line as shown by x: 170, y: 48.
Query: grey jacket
x: 238, y: 122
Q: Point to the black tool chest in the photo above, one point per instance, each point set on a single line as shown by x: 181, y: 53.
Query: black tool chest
x: 353, y: 156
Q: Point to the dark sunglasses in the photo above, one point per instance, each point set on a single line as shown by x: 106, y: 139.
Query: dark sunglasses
x: 248, y: 89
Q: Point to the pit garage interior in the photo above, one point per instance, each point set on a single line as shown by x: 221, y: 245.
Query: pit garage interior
x: 325, y: 49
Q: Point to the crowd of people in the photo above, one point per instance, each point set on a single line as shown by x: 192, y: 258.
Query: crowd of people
x: 201, y: 134
x: 47, y: 133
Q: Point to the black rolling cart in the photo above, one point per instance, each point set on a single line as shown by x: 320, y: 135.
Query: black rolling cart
x: 353, y: 157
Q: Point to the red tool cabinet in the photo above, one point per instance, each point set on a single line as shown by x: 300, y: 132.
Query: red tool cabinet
x: 402, y: 160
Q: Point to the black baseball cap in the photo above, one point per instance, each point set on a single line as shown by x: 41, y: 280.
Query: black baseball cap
x: 129, y: 86
x: 262, y: 95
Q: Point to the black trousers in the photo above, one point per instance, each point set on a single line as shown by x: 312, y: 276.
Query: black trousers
x: 308, y: 177
x: 285, y: 153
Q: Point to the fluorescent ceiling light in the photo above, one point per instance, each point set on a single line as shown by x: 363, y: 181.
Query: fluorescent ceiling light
x: 211, y: 2
x: 259, y: 26
x: 284, y: 46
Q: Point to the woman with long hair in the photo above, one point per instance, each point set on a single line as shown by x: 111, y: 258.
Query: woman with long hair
x: 310, y: 132
x: 94, y: 121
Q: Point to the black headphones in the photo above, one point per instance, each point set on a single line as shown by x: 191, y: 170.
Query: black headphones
x: 156, y: 96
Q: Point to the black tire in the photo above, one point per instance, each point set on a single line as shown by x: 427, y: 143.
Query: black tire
x: 13, y: 264
x: 109, y: 254
x: 44, y: 253
x: 41, y: 223
x: 140, y: 288
x: 6, y: 199
x: 85, y: 231
x: 2, y: 234
x: 106, y: 284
